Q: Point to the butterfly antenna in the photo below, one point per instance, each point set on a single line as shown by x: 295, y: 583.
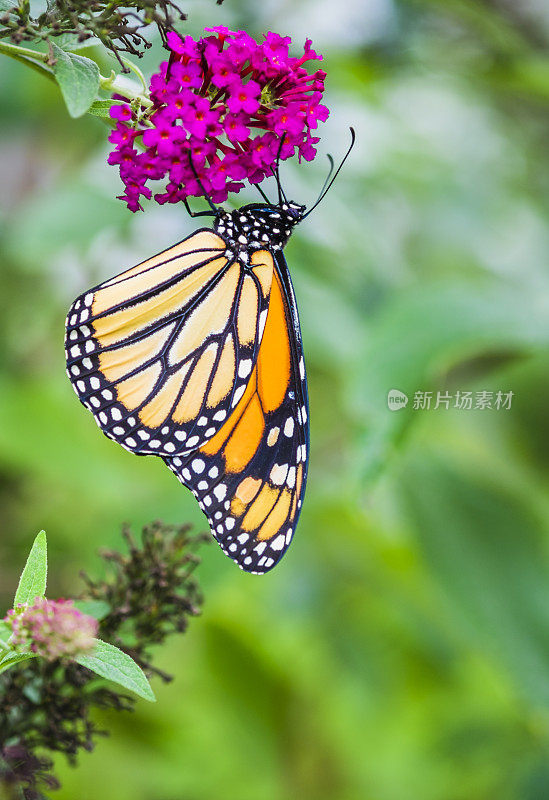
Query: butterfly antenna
x: 325, y: 184
x: 326, y: 188
x: 206, y: 195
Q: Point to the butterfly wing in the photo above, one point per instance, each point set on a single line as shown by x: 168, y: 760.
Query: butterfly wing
x: 250, y: 477
x: 163, y: 352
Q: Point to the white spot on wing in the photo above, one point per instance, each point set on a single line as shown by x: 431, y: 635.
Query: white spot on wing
x: 262, y: 320
x: 220, y: 491
x: 291, y: 477
x: 278, y: 474
x: 279, y: 542
x: 237, y: 395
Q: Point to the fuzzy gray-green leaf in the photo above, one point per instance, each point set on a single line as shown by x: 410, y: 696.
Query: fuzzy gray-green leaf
x: 32, y: 582
x: 78, y: 79
x: 115, y: 665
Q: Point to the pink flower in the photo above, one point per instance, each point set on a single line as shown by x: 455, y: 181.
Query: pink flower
x: 199, y: 117
x: 163, y: 138
x: 52, y: 629
x: 276, y: 48
x: 309, y: 55
x: 263, y: 150
x: 188, y: 75
x: 306, y: 150
x: 223, y: 71
x: 244, y: 97
x: 287, y: 120
x: 221, y: 106
x: 186, y: 47
x: 235, y: 127
x: 121, y: 112
x: 222, y: 30
x: 199, y: 151
x: 122, y: 136
x: 173, y: 194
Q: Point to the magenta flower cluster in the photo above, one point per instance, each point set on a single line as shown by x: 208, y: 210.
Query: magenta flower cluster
x: 52, y: 629
x: 222, y: 106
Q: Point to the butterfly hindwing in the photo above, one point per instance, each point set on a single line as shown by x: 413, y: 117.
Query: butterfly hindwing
x: 162, y: 353
x: 250, y: 477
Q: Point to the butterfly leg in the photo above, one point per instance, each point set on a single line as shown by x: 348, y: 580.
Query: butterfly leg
x: 198, y: 213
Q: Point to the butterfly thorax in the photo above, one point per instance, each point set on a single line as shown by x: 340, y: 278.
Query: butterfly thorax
x: 258, y: 227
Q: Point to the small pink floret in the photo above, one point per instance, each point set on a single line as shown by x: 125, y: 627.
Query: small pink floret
x: 52, y: 629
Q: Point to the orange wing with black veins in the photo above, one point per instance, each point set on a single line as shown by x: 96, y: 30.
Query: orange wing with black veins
x: 162, y: 353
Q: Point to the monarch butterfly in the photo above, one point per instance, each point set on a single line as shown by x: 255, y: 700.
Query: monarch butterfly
x: 195, y: 355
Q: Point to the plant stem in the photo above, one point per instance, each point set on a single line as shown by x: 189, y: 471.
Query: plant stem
x: 115, y: 84
x: 16, y: 50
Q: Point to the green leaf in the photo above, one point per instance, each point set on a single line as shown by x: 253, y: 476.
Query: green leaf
x: 11, y: 659
x: 97, y: 609
x: 111, y: 663
x: 5, y: 630
x: 101, y: 108
x: 32, y: 582
x: 78, y: 78
x: 6, y: 5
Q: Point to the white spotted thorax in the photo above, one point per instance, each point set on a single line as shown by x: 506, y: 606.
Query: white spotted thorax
x: 258, y: 227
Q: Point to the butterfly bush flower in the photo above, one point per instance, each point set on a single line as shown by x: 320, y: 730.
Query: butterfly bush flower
x: 221, y: 106
x: 52, y: 629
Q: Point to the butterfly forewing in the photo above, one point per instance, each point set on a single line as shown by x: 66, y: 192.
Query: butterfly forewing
x: 162, y: 353
x: 250, y: 477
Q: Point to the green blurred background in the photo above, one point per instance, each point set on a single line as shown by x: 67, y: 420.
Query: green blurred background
x: 401, y: 649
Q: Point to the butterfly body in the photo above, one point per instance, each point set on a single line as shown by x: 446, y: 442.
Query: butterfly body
x: 258, y: 226
x: 195, y: 355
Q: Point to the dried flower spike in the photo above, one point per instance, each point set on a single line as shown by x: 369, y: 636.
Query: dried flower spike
x: 221, y: 106
x: 52, y: 629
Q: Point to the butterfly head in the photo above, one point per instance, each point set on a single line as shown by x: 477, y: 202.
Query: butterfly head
x: 259, y: 226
